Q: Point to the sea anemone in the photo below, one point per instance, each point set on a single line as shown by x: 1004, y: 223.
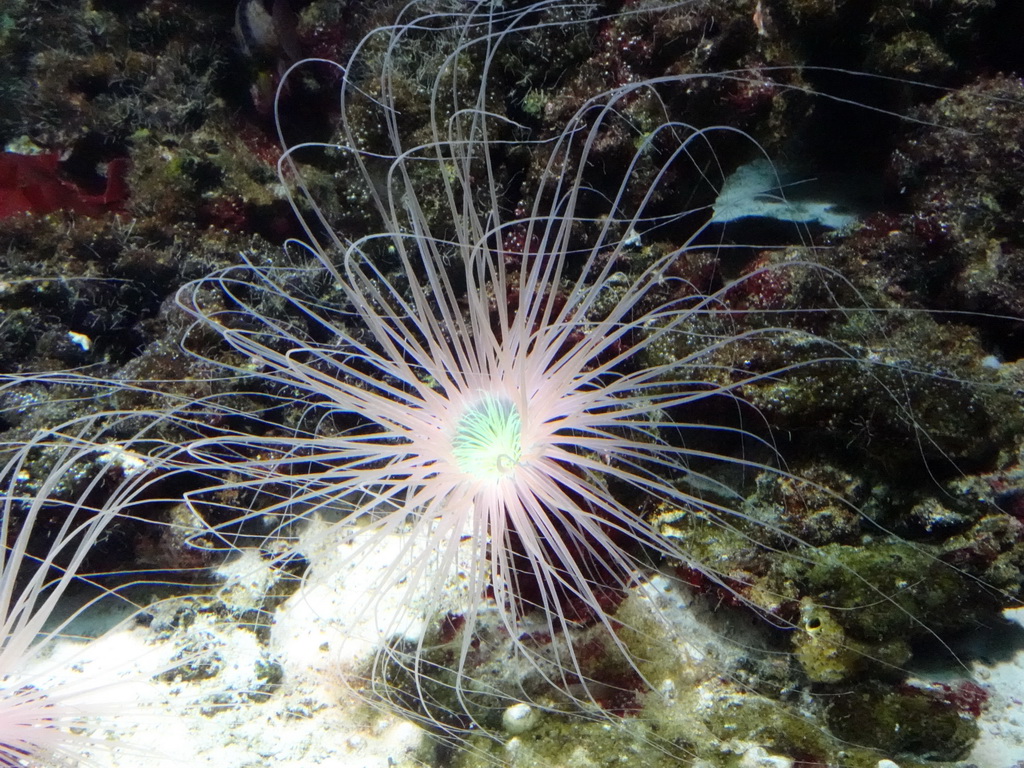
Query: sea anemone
x: 50, y: 532
x: 508, y: 393
x: 534, y: 392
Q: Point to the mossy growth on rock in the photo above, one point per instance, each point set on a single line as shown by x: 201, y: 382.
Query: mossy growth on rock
x: 903, y: 720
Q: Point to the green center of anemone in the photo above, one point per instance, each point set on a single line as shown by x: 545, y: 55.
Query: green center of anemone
x: 488, y: 440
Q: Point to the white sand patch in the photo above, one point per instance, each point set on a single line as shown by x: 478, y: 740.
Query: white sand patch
x: 1001, y: 744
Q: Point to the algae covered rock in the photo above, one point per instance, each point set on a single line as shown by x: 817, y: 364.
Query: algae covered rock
x: 903, y: 720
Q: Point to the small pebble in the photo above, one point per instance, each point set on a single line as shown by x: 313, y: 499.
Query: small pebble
x: 519, y: 718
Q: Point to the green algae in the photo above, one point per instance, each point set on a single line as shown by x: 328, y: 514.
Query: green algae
x: 889, y: 589
x: 728, y: 711
x: 902, y: 722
